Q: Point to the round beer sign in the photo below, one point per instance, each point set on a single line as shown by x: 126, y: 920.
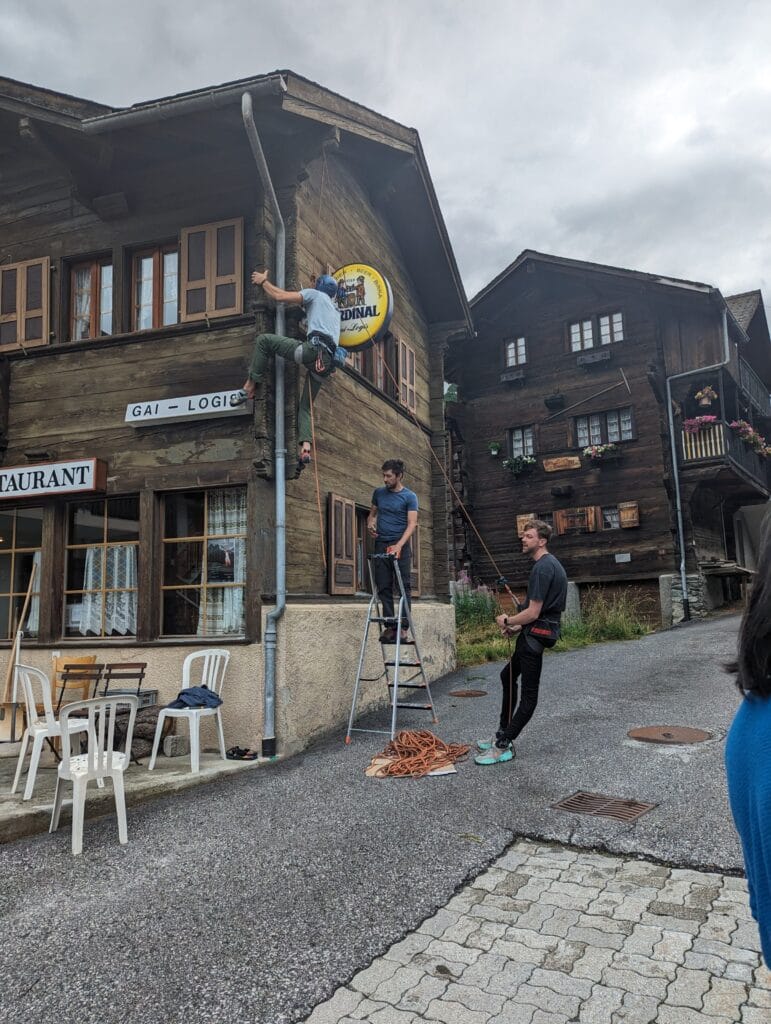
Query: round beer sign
x: 365, y: 302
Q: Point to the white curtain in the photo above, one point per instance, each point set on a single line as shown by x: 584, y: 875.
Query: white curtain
x: 33, y: 619
x: 120, y: 608
x: 224, y: 610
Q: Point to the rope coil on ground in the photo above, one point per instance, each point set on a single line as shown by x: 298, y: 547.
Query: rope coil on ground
x: 415, y: 753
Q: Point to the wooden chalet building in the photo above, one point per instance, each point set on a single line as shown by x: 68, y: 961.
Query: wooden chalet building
x: 568, y: 376
x: 127, y: 239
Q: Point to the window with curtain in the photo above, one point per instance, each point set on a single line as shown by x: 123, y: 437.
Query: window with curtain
x: 91, y: 300
x: 204, y: 563
x: 21, y: 535
x: 521, y: 441
x: 101, y: 582
x: 604, y: 427
x: 155, y: 288
x: 515, y: 352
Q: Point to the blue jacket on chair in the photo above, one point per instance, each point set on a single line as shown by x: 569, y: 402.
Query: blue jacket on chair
x: 196, y: 697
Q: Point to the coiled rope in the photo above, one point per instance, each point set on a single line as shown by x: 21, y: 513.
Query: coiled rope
x: 415, y: 753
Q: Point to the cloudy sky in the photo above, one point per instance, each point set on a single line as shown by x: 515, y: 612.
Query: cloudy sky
x: 630, y: 133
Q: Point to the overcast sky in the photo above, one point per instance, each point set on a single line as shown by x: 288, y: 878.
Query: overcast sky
x: 635, y: 134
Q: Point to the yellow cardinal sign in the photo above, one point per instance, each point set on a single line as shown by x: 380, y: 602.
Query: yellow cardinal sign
x: 366, y: 304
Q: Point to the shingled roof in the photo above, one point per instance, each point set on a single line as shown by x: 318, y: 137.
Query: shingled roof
x: 743, y: 306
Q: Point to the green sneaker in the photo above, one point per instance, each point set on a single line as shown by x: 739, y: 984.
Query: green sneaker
x: 486, y: 744
x: 495, y: 755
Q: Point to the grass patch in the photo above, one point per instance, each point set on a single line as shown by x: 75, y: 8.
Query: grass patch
x: 604, y: 617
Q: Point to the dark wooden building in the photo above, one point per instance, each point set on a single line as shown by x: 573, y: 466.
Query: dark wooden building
x: 127, y: 237
x: 562, y: 414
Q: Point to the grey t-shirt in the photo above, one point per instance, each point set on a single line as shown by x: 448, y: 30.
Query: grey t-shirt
x: 548, y: 583
x: 323, y: 314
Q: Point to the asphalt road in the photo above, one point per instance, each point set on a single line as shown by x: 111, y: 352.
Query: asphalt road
x: 252, y: 899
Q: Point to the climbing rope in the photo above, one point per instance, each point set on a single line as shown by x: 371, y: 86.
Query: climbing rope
x: 316, y: 475
x: 415, y: 753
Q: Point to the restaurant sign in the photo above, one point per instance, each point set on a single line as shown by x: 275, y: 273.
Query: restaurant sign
x: 43, y: 479
x: 190, y: 407
x: 563, y: 462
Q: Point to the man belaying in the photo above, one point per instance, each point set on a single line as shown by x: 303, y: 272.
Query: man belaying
x: 317, y: 353
x: 392, y: 520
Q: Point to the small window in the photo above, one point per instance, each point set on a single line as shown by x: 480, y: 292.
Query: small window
x: 155, y: 288
x: 575, y: 520
x: 21, y: 540
x: 521, y: 441
x: 581, y: 335
x: 211, y: 270
x: 101, y: 584
x: 407, y: 376
x: 91, y: 300
x: 515, y: 352
x: 604, y: 427
x: 546, y: 517
x: 611, y: 328
x: 611, y: 518
x: 204, y: 563
x: 24, y: 303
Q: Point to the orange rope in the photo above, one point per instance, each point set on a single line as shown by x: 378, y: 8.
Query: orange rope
x: 316, y: 475
x: 414, y: 753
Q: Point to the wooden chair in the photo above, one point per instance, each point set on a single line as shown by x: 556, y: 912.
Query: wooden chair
x: 122, y: 676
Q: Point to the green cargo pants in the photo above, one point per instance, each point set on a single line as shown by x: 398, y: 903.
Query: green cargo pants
x: 302, y: 352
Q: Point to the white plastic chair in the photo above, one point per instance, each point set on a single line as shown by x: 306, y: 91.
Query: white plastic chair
x: 101, y: 760
x: 36, y: 687
x: 214, y: 662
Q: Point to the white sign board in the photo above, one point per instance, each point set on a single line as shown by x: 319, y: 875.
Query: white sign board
x: 624, y: 557
x: 44, y: 478
x: 189, y: 407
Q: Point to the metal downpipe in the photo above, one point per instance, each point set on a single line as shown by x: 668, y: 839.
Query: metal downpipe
x: 675, y: 464
x: 271, y: 631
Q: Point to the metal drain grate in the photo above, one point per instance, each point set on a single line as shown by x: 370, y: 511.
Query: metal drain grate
x: 669, y: 734
x: 468, y: 693
x: 603, y: 806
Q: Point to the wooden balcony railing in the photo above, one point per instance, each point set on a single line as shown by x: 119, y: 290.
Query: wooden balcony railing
x: 720, y: 442
x: 754, y: 388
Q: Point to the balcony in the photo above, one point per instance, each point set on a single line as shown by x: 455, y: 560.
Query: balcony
x: 719, y: 444
x: 754, y: 388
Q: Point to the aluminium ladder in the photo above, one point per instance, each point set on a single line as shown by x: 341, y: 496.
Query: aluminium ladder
x: 393, y: 663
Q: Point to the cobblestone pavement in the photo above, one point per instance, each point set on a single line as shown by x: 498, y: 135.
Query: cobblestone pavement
x: 551, y: 935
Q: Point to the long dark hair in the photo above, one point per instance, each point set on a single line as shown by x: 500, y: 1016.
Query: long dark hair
x: 753, y: 662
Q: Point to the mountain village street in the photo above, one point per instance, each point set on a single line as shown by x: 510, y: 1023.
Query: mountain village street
x: 466, y: 898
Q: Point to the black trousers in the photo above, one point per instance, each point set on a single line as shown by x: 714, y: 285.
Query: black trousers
x: 385, y: 578
x: 523, y: 670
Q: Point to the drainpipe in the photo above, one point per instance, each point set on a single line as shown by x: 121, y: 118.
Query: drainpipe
x: 673, y: 448
x: 271, y: 631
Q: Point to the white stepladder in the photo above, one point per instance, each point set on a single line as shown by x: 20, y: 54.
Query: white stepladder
x: 395, y: 664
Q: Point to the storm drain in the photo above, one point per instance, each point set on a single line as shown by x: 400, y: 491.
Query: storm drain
x: 468, y: 693
x: 669, y: 734
x: 599, y: 805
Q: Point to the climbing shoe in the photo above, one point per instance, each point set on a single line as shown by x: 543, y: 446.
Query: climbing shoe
x: 495, y: 755
x: 239, y: 397
x: 488, y: 743
x: 388, y: 636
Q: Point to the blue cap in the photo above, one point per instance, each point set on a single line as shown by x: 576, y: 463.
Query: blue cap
x: 327, y: 284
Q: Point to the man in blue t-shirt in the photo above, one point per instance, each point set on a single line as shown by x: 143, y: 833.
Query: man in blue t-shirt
x: 316, y: 353
x: 392, y: 520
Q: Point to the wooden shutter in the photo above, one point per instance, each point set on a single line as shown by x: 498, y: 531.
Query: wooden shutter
x: 521, y: 520
x: 628, y: 514
x: 561, y: 521
x: 24, y: 303
x: 415, y: 565
x: 211, y: 270
x: 341, y: 567
x: 592, y: 518
x: 407, y: 376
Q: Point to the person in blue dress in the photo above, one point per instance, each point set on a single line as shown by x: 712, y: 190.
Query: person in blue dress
x: 748, y: 747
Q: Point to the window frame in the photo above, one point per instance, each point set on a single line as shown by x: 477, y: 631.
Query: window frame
x: 519, y: 360
x: 576, y: 442
x: 595, y: 325
x: 95, y: 265
x: 203, y: 585
x: 20, y: 314
x: 18, y: 596
x: 530, y: 427
x: 211, y: 281
x: 157, y: 252
x: 104, y: 546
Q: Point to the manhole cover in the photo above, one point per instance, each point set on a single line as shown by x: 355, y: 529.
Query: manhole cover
x: 468, y: 693
x: 669, y: 734
x: 605, y: 806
